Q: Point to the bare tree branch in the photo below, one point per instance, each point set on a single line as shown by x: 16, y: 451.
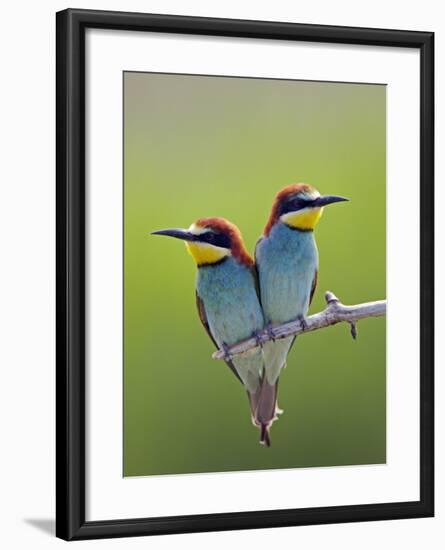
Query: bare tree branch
x: 334, y: 313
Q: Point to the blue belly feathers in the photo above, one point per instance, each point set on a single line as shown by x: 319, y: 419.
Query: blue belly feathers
x: 233, y: 313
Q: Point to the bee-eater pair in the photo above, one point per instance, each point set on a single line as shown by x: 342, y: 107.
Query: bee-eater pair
x: 238, y: 297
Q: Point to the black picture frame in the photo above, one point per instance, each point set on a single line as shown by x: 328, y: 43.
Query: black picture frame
x: 70, y: 348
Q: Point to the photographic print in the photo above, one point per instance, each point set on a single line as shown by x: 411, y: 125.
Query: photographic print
x: 233, y: 204
x: 245, y: 201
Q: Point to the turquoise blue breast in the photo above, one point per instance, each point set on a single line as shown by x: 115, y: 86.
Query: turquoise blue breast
x: 230, y: 300
x: 287, y: 261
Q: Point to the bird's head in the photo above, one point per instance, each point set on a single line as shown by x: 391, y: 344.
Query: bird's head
x: 211, y: 240
x: 299, y: 206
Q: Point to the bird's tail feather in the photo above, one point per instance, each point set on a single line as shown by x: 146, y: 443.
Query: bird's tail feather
x: 266, y: 409
x: 265, y: 437
x: 253, y: 401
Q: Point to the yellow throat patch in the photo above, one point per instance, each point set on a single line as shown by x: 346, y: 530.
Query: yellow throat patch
x: 204, y: 253
x: 305, y: 219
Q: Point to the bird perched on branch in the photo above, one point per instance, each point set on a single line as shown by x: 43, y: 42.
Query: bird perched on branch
x: 227, y: 295
x: 287, y: 264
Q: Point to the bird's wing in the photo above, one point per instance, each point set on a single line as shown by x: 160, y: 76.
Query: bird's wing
x: 314, y: 286
x: 256, y: 280
x: 255, y: 271
x: 205, y: 324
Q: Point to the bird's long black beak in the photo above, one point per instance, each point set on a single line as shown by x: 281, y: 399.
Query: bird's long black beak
x: 182, y: 234
x: 328, y: 199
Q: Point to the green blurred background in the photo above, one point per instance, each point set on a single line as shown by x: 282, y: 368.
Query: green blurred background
x: 198, y: 146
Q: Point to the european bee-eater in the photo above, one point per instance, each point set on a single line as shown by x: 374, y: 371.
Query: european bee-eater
x: 227, y: 295
x: 287, y: 264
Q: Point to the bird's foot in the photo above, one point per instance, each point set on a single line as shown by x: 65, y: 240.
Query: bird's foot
x: 303, y: 323
x: 258, y: 338
x: 226, y: 350
x: 269, y: 331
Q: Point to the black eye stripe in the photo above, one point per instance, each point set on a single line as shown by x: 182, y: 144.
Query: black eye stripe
x: 217, y: 239
x: 293, y: 205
